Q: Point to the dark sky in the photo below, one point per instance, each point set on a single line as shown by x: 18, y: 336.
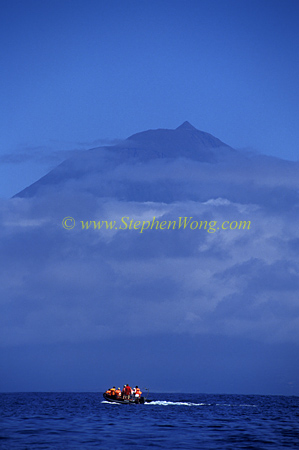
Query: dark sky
x: 174, y: 310
x: 77, y: 72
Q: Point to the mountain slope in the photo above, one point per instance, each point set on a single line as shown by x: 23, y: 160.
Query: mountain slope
x: 172, y: 165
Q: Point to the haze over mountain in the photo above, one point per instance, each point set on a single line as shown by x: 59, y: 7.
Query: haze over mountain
x: 170, y: 165
x: 211, y: 308
x: 141, y: 148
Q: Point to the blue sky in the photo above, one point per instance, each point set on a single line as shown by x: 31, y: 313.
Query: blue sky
x: 76, y: 72
x: 204, y: 312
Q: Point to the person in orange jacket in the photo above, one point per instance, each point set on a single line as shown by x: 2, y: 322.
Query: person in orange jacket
x: 118, y: 393
x: 113, y: 391
x: 137, y: 392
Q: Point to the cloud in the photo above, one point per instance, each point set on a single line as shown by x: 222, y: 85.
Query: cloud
x: 38, y: 155
x: 82, y: 285
x: 186, y: 272
x: 49, y: 155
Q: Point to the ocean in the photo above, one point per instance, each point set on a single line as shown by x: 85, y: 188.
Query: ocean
x: 60, y: 421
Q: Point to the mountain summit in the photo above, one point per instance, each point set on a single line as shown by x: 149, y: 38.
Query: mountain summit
x: 185, y: 142
x: 186, y: 126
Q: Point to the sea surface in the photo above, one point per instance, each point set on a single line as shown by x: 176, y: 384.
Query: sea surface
x: 84, y: 421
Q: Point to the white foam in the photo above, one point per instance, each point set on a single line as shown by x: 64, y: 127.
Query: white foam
x: 166, y: 403
x: 111, y: 403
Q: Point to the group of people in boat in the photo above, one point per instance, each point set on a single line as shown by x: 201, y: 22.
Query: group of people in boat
x: 127, y: 393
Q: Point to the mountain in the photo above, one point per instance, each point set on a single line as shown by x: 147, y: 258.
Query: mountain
x: 166, y: 165
x: 184, y: 142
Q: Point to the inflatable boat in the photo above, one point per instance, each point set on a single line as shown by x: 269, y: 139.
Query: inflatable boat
x: 114, y: 399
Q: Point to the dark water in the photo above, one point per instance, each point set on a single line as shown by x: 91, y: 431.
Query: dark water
x: 173, y: 421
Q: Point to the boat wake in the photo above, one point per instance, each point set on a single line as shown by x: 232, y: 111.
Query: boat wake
x: 110, y: 403
x: 163, y: 403
x: 167, y: 403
